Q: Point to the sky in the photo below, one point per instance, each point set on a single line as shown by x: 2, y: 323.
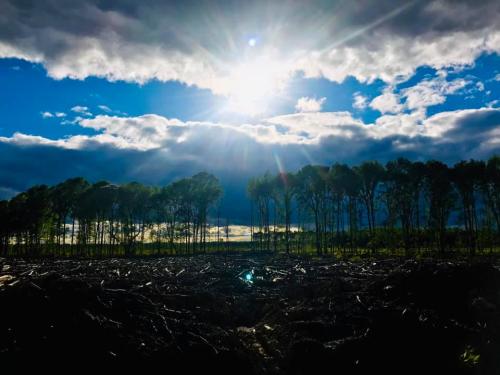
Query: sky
x: 153, y: 91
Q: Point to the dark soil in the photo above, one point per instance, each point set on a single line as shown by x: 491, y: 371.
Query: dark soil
x: 296, y: 316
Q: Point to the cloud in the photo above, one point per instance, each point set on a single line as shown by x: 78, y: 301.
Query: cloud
x: 422, y: 33
x: 359, y: 101
x: 306, y: 104
x: 104, y: 108
x: 84, y: 111
x: 388, y: 102
x: 141, y: 41
x: 74, y: 121
x: 142, y: 133
x: 432, y: 92
x: 493, y: 103
x: 47, y: 114
x: 426, y: 93
x: 109, y: 111
x: 185, y: 139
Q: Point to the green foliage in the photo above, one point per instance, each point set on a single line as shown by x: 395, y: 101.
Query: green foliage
x: 470, y: 356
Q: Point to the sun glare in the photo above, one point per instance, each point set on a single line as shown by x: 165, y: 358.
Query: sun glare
x: 253, y: 85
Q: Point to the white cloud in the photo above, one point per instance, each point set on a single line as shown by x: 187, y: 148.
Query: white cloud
x: 360, y: 101
x: 308, y: 128
x: 153, y: 148
x: 150, y: 132
x: 143, y: 132
x: 395, y: 58
x: 386, y: 40
x: 432, y: 92
x: 388, y: 102
x: 426, y: 93
x: 75, y: 120
x: 307, y: 104
x: 81, y: 110
x: 497, y: 77
x: 104, y: 108
x: 48, y: 114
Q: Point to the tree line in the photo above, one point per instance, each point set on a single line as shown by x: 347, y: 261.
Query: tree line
x: 402, y: 205
x: 78, y: 218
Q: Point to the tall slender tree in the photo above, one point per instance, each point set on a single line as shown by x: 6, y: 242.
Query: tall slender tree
x: 371, y: 174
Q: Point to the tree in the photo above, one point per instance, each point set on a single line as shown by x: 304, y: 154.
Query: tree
x: 284, y: 190
x: 260, y: 190
x: 64, y: 197
x: 34, y: 216
x: 467, y: 177
x: 206, y: 192
x: 76, y: 187
x: 133, y: 208
x: 441, y: 199
x: 351, y: 186
x: 371, y: 174
x: 5, y: 228
x: 337, y: 190
x: 311, y: 189
x: 400, y: 192
x: 490, y: 186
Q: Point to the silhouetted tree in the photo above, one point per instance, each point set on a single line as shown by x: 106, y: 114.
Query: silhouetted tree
x: 371, y: 174
x: 284, y: 190
x: 441, y: 200
x: 108, y: 219
x: 260, y: 190
x: 467, y: 177
x: 311, y: 189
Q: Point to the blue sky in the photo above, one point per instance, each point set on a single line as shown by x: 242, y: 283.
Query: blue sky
x: 158, y: 90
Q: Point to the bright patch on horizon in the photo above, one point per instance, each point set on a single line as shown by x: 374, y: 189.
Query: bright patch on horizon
x: 252, y: 42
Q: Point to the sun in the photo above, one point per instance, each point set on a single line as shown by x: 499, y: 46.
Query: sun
x: 254, y: 85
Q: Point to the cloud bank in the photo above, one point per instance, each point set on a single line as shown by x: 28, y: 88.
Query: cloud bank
x: 154, y: 148
x: 200, y: 43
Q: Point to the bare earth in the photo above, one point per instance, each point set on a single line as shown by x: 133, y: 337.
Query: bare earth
x: 294, y: 315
